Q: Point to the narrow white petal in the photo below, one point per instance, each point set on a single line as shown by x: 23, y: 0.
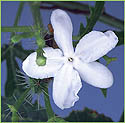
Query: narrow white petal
x: 95, y: 45
x: 94, y: 73
x: 53, y: 63
x: 66, y: 86
x: 62, y: 26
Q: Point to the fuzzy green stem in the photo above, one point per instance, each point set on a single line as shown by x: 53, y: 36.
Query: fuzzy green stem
x: 17, y: 29
x: 15, y: 117
x: 17, y: 105
x: 18, y: 15
x: 16, y: 38
x: 35, y: 9
x: 21, y: 99
x: 49, y: 110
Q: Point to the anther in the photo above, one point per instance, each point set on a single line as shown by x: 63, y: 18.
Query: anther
x: 70, y: 59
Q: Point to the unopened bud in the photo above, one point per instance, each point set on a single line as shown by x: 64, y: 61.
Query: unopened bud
x: 41, y: 61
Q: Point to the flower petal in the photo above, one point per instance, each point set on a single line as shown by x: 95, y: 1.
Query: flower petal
x: 52, y: 53
x: 94, y: 73
x: 95, y: 45
x: 66, y: 85
x: 53, y: 63
x: 62, y: 31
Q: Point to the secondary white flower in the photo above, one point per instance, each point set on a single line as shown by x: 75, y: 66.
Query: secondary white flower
x: 67, y: 66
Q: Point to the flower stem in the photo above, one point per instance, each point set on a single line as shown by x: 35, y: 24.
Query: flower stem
x: 16, y: 106
x: 49, y: 110
x: 16, y: 29
x: 35, y: 9
x: 21, y: 99
x: 18, y: 15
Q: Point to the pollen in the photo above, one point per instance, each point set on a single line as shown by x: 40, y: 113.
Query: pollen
x: 70, y: 59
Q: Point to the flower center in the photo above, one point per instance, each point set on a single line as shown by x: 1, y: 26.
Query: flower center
x: 70, y: 59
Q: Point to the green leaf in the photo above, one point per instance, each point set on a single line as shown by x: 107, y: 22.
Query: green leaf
x: 109, y: 59
x: 20, y: 52
x: 94, y: 16
x: 4, y: 51
x: 120, y: 37
x: 11, y: 73
x: 10, y: 85
x: 49, y: 110
x: 122, y: 117
x: 15, y: 116
x: 81, y: 30
x: 14, y: 108
x: 21, y: 99
x: 104, y: 92
x: 34, y: 114
x: 28, y: 112
x: 87, y: 115
x: 87, y: 19
x: 91, y: 10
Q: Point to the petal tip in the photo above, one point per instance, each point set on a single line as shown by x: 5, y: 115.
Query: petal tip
x: 108, y: 81
x: 26, y: 64
x: 110, y: 34
x: 58, y: 12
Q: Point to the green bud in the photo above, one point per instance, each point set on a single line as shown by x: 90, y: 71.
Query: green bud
x: 41, y: 61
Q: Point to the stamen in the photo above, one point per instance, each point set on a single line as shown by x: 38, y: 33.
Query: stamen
x: 70, y: 59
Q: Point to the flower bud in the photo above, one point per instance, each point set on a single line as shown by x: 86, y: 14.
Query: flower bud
x: 41, y: 61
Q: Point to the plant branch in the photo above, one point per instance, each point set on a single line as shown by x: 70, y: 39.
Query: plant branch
x: 16, y: 29
x: 18, y: 15
x: 79, y: 8
x: 48, y: 105
x: 21, y: 99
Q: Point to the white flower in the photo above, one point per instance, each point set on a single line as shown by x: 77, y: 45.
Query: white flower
x: 67, y: 66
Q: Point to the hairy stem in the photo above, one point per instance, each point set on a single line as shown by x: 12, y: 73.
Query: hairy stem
x: 48, y: 105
